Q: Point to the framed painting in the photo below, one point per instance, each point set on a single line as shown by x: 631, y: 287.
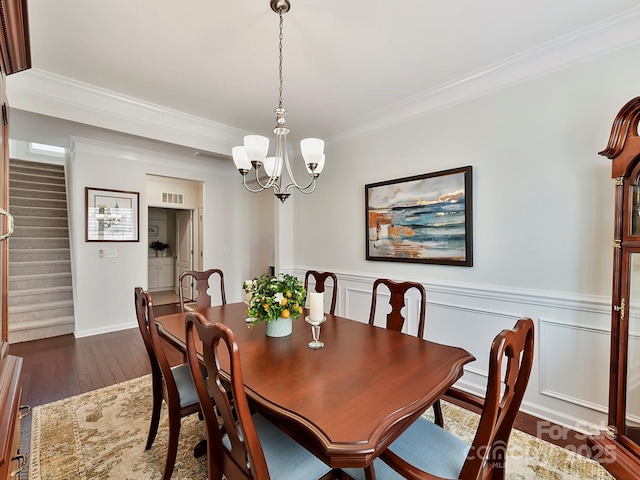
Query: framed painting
x: 111, y: 215
x: 424, y: 219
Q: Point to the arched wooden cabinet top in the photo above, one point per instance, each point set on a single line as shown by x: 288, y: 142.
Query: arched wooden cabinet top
x: 624, y: 142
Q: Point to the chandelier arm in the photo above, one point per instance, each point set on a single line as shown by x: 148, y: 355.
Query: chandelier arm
x: 306, y: 189
x: 244, y: 182
x: 265, y: 186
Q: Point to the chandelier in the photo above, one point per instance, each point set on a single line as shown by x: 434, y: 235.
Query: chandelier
x: 253, y: 154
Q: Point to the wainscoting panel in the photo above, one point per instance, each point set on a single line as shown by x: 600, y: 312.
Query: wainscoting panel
x: 445, y: 322
x: 579, y: 350
x: 357, y: 302
x: 569, y: 381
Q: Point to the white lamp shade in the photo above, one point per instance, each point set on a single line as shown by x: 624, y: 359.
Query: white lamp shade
x: 272, y: 163
x: 319, y: 168
x: 312, y: 150
x: 256, y: 147
x: 240, y: 158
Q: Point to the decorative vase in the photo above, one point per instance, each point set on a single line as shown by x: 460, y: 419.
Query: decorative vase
x: 279, y: 328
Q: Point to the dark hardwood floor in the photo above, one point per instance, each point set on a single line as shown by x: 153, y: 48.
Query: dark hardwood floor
x: 59, y: 367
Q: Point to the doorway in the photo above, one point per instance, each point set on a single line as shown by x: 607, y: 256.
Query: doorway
x: 175, y: 229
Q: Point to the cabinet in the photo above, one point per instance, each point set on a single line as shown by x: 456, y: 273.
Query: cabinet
x: 161, y: 271
x: 11, y: 461
x: 15, y: 56
x: 618, y: 447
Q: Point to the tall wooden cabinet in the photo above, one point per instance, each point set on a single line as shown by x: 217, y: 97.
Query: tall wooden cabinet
x: 618, y: 448
x: 15, y: 56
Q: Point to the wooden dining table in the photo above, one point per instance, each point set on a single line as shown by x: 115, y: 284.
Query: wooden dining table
x: 345, y: 402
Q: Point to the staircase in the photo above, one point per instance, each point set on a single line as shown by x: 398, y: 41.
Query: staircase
x: 40, y: 290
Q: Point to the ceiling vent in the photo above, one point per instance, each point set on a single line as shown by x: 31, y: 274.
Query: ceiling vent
x: 173, y: 198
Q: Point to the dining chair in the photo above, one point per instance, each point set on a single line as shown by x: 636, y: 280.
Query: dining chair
x: 203, y: 299
x: 320, y: 278
x: 174, y: 385
x: 426, y: 451
x: 252, y: 447
x: 395, y: 319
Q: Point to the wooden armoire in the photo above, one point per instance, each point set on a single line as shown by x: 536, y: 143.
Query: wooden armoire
x: 618, y: 448
x: 15, y: 56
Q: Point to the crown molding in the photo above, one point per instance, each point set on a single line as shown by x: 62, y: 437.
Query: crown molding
x: 49, y: 94
x: 135, y: 154
x: 614, y: 33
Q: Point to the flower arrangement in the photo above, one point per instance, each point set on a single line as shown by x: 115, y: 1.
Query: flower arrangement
x: 158, y: 246
x: 272, y: 297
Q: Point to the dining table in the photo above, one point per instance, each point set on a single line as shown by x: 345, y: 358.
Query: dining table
x: 345, y: 402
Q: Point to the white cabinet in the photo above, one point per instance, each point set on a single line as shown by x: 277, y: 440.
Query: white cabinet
x: 161, y: 273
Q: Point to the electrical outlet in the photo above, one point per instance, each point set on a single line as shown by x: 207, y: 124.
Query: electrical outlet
x: 108, y: 252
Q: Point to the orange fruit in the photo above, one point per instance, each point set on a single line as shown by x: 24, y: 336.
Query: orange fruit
x: 285, y: 313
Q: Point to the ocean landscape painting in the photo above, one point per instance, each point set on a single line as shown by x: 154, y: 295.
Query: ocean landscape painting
x: 426, y: 218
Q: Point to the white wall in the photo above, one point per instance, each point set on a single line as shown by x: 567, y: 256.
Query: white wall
x: 543, y: 225
x: 104, y: 286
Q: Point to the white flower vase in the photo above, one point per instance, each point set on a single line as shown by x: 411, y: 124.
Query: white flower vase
x: 279, y: 328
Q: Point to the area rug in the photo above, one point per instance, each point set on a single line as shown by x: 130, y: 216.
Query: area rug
x: 101, y: 435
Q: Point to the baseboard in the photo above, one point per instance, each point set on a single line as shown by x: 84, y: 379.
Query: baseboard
x: 98, y: 331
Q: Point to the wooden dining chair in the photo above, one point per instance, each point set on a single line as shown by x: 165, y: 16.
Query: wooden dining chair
x: 427, y: 452
x: 203, y: 299
x: 174, y: 385
x: 320, y: 278
x: 252, y: 447
x: 395, y: 319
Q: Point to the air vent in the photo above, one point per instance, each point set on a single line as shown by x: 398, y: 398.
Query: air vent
x: 172, y: 198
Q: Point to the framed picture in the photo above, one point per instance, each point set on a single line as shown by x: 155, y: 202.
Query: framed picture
x: 111, y: 215
x: 425, y: 219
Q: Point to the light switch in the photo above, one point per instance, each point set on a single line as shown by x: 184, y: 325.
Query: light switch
x: 108, y: 252
x: 228, y: 249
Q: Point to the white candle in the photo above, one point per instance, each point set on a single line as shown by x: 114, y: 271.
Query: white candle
x: 249, y: 293
x: 316, y: 306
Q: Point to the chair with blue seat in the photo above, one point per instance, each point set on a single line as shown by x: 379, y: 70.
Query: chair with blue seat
x: 395, y: 320
x: 174, y: 385
x: 252, y: 447
x: 427, y: 452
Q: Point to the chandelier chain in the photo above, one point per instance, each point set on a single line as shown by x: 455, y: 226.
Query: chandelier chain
x: 253, y: 155
x: 280, y: 58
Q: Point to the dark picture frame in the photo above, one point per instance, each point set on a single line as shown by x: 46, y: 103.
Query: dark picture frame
x: 111, y: 215
x: 422, y: 219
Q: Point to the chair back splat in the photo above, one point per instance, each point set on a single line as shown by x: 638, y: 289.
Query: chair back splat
x: 171, y: 384
x: 320, y: 278
x: 427, y: 452
x: 504, y: 397
x: 397, y: 291
x: 201, y: 285
x: 252, y: 447
x: 395, y: 320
